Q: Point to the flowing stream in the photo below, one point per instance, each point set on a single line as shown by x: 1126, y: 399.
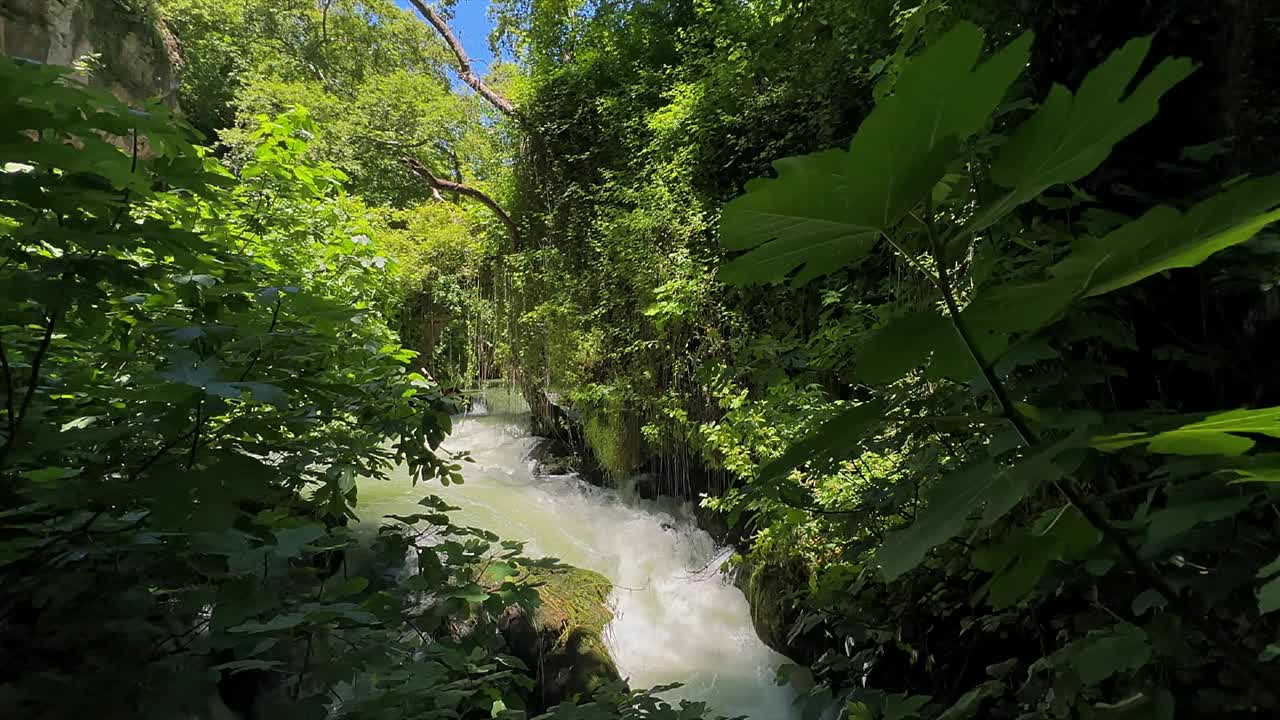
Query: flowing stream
x: 676, y: 619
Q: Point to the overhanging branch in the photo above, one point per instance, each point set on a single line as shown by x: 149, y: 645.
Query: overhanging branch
x: 468, y: 75
x: 419, y: 168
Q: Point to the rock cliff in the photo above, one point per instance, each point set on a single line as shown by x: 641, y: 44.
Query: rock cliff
x: 131, y: 53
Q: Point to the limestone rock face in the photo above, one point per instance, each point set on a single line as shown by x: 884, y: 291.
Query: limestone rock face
x: 138, y: 58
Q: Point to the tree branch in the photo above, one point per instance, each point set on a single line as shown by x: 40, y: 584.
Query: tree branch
x: 495, y: 98
x: 419, y: 168
x: 195, y: 440
x: 9, y: 405
x: 457, y: 166
x: 275, y: 318
x: 155, y: 457
x: 32, y: 383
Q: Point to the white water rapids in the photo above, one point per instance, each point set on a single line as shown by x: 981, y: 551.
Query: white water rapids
x: 676, y: 618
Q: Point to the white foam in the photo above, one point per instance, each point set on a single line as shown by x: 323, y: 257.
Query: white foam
x: 676, y: 619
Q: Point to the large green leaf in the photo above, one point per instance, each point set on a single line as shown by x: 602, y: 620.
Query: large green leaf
x: 1070, y: 135
x: 1019, y: 559
x: 985, y: 491
x: 1164, y: 238
x: 905, y: 342
x: 969, y: 703
x: 826, y: 210
x: 1269, y: 593
x: 1103, y: 654
x: 1219, y: 434
x: 1168, y: 523
x: 275, y: 624
x: 291, y: 542
x: 994, y: 318
x: 1269, y: 597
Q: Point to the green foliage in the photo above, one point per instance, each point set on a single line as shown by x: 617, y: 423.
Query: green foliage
x: 337, y: 45
x: 1005, y: 305
x: 827, y: 210
x: 183, y: 393
x: 1019, y: 369
x: 1219, y: 434
x: 1069, y: 136
x: 375, y: 79
x: 197, y: 369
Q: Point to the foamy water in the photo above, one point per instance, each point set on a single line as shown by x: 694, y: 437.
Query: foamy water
x: 676, y: 618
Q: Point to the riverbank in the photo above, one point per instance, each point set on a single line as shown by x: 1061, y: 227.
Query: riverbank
x: 675, y: 618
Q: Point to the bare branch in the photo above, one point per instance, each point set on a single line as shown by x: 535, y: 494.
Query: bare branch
x: 419, y: 168
x: 468, y: 76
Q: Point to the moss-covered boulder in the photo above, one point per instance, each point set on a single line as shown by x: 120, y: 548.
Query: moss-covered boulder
x: 563, y: 639
x: 770, y: 587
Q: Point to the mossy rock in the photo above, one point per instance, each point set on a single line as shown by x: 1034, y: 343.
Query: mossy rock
x: 564, y: 639
x: 770, y: 587
x: 614, y: 438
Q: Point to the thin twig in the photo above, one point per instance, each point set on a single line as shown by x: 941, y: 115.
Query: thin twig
x: 32, y: 383
x: 155, y: 457
x: 133, y: 168
x: 275, y: 318
x: 195, y: 441
x: 409, y: 621
x: 933, y: 280
x: 11, y: 414
x: 306, y: 661
x: 160, y: 643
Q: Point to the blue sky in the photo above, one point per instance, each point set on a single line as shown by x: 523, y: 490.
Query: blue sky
x: 471, y: 24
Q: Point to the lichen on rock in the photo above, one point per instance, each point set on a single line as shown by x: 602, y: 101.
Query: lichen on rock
x: 562, y: 640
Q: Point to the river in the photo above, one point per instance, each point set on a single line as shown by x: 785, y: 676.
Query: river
x: 676, y: 619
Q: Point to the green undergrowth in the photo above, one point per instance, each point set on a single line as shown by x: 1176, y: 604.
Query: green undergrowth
x: 966, y: 306
x: 198, y: 370
x: 611, y: 433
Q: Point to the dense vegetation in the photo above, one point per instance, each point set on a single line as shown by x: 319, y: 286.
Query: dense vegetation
x: 976, y: 373
x: 199, y: 360
x: 1002, y: 480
